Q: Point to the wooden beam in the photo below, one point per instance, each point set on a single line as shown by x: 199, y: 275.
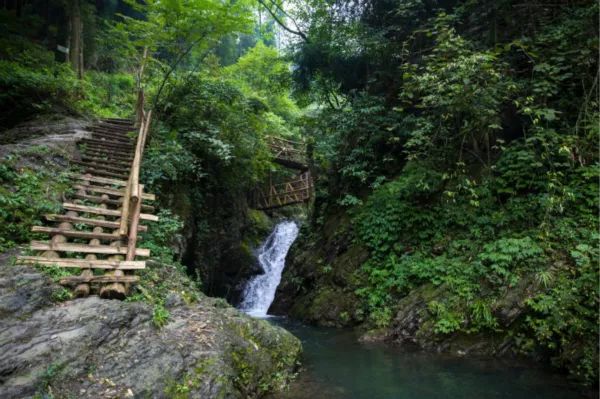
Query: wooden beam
x: 103, y: 180
x: 112, y: 191
x: 99, y: 279
x: 103, y: 173
x: 85, y: 248
x: 92, y: 222
x: 104, y: 212
x: 74, y: 233
x: 108, y: 144
x: 103, y: 165
x: 82, y: 263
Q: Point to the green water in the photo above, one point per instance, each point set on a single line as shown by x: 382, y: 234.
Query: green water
x: 337, y: 366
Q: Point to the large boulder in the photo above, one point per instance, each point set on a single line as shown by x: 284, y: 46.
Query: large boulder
x: 95, y: 348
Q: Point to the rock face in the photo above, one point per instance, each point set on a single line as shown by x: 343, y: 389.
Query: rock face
x: 317, y: 284
x: 94, y: 348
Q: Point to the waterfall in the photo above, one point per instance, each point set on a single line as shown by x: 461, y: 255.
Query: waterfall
x: 260, y: 290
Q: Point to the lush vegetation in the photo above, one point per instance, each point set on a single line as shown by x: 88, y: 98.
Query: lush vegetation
x: 462, y: 142
x: 458, y: 139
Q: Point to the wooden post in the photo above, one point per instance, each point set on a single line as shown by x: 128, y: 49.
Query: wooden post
x: 81, y: 290
x: 114, y: 290
x: 133, y: 229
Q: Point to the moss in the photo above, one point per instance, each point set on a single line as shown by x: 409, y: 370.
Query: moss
x: 328, y: 306
x: 263, y: 357
x: 203, y: 372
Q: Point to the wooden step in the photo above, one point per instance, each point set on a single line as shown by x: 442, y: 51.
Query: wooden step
x: 123, y: 131
x: 98, y: 279
x: 83, y: 263
x: 115, y: 127
x: 108, y: 144
x: 120, y: 133
x: 99, y: 144
x: 101, y: 154
x: 104, y: 173
x: 117, y: 203
x: 124, y: 126
x: 104, y: 212
x: 118, y: 120
x: 90, y: 222
x: 111, y: 191
x: 110, y: 152
x: 102, y: 180
x: 85, y: 248
x: 100, y: 135
x: 75, y: 233
x: 106, y: 166
x: 107, y: 160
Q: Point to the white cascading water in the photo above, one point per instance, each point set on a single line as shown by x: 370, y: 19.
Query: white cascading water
x: 260, y: 290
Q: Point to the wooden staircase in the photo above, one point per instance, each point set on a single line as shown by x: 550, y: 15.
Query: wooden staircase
x: 97, y: 232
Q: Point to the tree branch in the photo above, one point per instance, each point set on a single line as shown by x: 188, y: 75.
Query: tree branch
x: 280, y: 22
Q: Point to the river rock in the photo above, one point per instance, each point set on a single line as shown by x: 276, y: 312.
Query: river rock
x: 96, y: 348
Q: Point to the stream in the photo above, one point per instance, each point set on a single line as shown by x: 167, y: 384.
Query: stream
x: 336, y: 365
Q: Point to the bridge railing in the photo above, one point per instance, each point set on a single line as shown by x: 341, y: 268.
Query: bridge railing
x: 294, y: 191
x: 288, y: 152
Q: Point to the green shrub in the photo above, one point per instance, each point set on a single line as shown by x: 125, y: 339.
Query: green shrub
x: 25, y: 196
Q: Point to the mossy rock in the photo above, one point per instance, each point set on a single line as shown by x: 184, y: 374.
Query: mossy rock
x: 332, y: 307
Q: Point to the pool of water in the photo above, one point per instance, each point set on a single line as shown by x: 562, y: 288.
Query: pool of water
x: 337, y: 366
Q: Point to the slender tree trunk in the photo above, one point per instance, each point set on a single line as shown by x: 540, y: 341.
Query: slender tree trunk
x: 76, y: 42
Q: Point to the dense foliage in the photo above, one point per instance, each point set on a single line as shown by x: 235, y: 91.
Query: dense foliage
x: 461, y: 138
x: 457, y: 138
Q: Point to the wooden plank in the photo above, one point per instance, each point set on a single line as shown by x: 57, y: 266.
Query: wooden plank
x: 98, y: 279
x: 108, y: 143
x: 122, y: 140
x: 114, y: 202
x: 111, y: 156
x: 104, y: 212
x: 118, y: 120
x: 103, y: 173
x: 85, y: 248
x: 120, y: 130
x: 111, y: 191
x: 91, y: 222
x: 75, y: 233
x: 119, y: 126
x: 119, y: 135
x: 112, y: 132
x: 98, y: 147
x: 83, y: 263
x: 106, y: 166
x: 103, y: 180
x: 99, y: 159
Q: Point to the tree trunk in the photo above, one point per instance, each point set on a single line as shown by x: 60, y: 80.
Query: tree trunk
x: 76, y: 42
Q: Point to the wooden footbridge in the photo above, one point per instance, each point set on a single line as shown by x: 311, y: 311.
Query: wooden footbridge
x: 98, y: 230
x: 297, y: 190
